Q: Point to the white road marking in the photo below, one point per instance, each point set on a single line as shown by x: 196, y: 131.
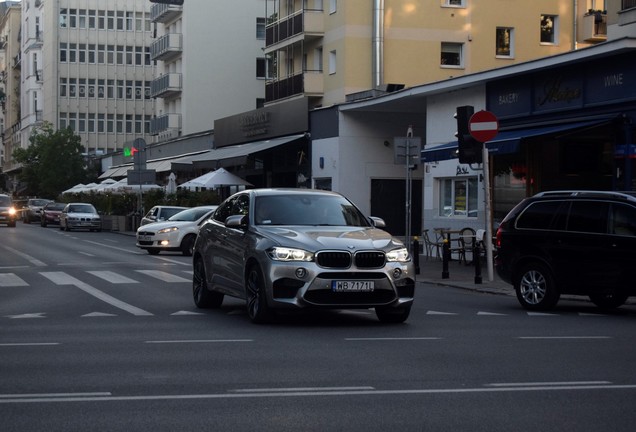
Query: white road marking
x: 30, y: 344
x: 11, y: 280
x: 565, y: 337
x: 174, y: 261
x: 439, y: 313
x: 113, y: 247
x: 164, y: 276
x: 52, y: 395
x: 36, y: 262
x: 97, y: 314
x: 61, y: 278
x: 555, y: 383
x: 186, y: 313
x: 112, y: 277
x: 28, y: 315
x: 490, y: 314
x: 86, y: 253
x: 295, y: 393
x: 199, y: 341
x: 301, y: 389
x: 392, y: 339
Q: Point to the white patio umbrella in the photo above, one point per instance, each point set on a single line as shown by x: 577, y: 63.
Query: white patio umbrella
x: 220, y: 177
x: 74, y: 189
x: 171, y: 187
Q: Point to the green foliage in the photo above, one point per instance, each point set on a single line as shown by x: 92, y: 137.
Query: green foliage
x: 53, y: 162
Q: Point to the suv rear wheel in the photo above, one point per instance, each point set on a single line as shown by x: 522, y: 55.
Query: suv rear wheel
x: 535, y: 287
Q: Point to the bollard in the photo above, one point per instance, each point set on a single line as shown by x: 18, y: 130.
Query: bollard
x: 416, y: 255
x: 477, y: 262
x: 446, y: 256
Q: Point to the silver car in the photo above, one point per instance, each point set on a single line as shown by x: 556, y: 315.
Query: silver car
x: 297, y: 248
x: 80, y: 216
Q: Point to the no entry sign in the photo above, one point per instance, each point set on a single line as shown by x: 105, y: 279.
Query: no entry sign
x: 483, y: 126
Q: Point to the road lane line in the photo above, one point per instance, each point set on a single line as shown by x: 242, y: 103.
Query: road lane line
x: 52, y: 395
x: 317, y: 393
x: 174, y: 261
x: 199, y: 341
x: 29, y: 344
x: 61, y: 278
x: 112, y: 277
x: 563, y: 337
x: 36, y: 262
x: 11, y: 280
x: 163, y: 276
x: 301, y: 389
x: 113, y: 247
x: 392, y: 338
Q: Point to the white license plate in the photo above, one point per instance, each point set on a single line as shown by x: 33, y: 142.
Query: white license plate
x: 352, y: 286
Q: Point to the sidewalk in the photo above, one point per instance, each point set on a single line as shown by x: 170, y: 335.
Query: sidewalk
x: 461, y: 275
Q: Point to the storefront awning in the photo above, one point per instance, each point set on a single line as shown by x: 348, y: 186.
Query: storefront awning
x: 507, y: 142
x: 236, y: 153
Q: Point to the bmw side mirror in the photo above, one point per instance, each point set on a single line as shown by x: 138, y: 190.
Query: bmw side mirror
x: 377, y: 222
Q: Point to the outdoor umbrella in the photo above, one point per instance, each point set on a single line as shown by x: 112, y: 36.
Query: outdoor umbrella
x: 220, y: 177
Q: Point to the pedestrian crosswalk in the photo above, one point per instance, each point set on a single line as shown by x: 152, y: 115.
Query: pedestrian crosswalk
x: 62, y: 278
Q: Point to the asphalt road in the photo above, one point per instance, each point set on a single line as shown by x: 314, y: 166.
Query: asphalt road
x: 98, y: 335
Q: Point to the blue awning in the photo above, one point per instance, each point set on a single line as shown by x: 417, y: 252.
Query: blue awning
x: 505, y: 142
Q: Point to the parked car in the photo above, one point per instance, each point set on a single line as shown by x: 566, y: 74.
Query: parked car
x: 50, y: 213
x: 569, y: 242
x: 8, y: 213
x: 80, y: 216
x: 160, y: 213
x: 33, y: 209
x: 300, y: 248
x: 178, y: 233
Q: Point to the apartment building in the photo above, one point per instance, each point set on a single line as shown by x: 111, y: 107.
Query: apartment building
x: 210, y: 63
x: 331, y: 51
x: 9, y: 81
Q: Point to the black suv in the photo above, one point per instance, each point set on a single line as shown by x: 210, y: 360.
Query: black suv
x: 570, y: 242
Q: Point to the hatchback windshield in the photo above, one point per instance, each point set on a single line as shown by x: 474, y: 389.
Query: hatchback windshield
x: 5, y: 201
x: 307, y: 210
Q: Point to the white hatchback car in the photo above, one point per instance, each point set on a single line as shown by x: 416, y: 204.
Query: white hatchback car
x: 178, y: 233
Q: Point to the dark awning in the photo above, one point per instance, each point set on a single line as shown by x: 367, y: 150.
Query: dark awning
x: 506, y: 142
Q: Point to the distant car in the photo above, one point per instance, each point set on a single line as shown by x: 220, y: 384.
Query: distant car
x: 300, y: 248
x: 32, y: 210
x: 178, y: 233
x: 80, y: 216
x: 569, y: 242
x: 160, y: 213
x: 50, y: 213
x: 8, y: 213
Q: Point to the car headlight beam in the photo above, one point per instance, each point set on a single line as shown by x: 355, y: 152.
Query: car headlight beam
x: 167, y: 230
x: 279, y: 253
x: 398, y: 255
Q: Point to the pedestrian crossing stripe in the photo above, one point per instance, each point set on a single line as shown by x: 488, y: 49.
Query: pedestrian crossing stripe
x: 11, y: 280
x: 164, y: 276
x: 112, y: 277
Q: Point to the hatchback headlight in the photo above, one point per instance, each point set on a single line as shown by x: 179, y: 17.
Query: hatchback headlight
x: 278, y: 253
x: 167, y: 230
x: 11, y: 211
x: 398, y: 255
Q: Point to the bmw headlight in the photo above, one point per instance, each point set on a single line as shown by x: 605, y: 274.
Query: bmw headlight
x: 398, y: 255
x: 278, y: 253
x: 167, y: 230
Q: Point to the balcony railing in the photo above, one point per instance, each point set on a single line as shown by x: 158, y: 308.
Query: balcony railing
x: 308, y: 21
x: 17, y: 61
x: 166, y: 85
x: 593, y: 28
x: 167, y: 47
x: 628, y: 4
x: 309, y: 83
x: 164, y: 123
x: 162, y: 13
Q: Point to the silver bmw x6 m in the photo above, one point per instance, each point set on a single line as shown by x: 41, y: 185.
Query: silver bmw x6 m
x: 300, y: 248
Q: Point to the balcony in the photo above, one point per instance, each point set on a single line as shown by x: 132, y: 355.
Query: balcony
x: 166, y: 86
x: 167, y: 47
x: 593, y: 28
x: 163, y: 13
x: 165, y: 123
x: 627, y: 14
x: 308, y: 83
x: 302, y: 25
x: 17, y: 61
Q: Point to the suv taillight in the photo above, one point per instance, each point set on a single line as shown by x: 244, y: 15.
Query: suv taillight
x: 498, y: 238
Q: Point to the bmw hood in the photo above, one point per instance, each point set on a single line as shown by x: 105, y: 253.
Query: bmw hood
x: 319, y: 238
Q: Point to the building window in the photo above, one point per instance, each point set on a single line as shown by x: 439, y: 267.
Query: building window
x: 63, y: 18
x: 260, y: 28
x: 505, y: 43
x: 332, y: 62
x: 63, y: 87
x: 451, y: 54
x: 454, y: 3
x: 263, y: 68
x: 333, y: 6
x: 549, y: 28
x: 458, y: 197
x: 63, y: 52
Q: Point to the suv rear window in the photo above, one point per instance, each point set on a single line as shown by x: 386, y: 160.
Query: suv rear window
x: 539, y: 215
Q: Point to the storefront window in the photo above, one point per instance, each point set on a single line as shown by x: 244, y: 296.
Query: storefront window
x: 458, y: 197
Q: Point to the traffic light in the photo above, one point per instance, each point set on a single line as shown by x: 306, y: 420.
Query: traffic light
x: 469, y: 149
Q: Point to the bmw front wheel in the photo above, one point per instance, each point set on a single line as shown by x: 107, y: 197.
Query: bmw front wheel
x: 257, y: 307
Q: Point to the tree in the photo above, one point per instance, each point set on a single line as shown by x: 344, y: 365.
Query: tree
x: 53, y: 162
